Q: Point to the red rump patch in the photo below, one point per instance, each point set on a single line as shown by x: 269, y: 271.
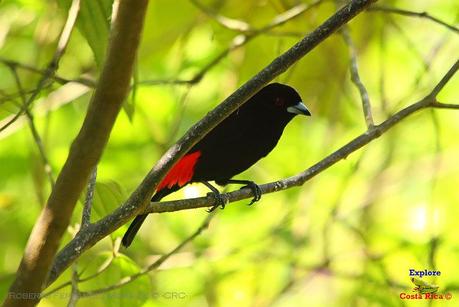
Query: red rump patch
x: 181, y: 173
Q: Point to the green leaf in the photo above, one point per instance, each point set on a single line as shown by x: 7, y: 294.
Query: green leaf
x: 129, y: 108
x: 134, y: 293
x: 107, y: 197
x: 94, y: 23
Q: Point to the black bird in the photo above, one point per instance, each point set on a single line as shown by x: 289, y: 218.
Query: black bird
x: 238, y: 142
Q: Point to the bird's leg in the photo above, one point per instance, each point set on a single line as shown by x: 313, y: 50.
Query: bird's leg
x: 220, y: 200
x: 251, y: 185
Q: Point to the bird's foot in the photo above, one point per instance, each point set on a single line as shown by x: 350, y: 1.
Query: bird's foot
x: 220, y: 201
x: 256, y: 190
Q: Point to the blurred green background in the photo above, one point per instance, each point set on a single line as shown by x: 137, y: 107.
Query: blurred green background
x: 346, y: 238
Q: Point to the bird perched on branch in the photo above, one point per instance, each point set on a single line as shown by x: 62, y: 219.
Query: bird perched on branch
x: 235, y: 144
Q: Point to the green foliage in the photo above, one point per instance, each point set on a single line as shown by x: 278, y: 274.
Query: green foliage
x: 94, y: 22
x: 106, y: 197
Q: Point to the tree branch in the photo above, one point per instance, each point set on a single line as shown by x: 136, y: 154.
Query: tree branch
x: 445, y: 80
x: 75, y: 292
x: 154, y: 265
x: 451, y: 106
x: 374, y: 132
x: 139, y: 199
x: 36, y: 136
x: 54, y: 63
x: 355, y: 77
x: 238, y: 41
x: 56, y: 78
x: 83, y: 156
x: 128, y: 279
x: 425, y: 15
x: 86, y: 216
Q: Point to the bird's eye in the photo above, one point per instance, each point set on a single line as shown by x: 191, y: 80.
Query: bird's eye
x: 279, y: 102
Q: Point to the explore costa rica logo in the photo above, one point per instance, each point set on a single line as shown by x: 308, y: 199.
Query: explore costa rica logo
x: 424, y: 289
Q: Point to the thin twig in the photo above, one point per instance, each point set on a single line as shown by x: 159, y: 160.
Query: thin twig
x: 54, y: 63
x: 65, y: 35
x: 382, y: 69
x: 237, y: 42
x: 62, y: 286
x: 427, y: 65
x: 229, y: 23
x: 407, y: 37
x: 154, y: 265
x: 408, y: 13
x: 439, y: 105
x: 75, y: 293
x: 445, y: 80
x: 11, y: 121
x: 54, y: 100
x: 288, y: 15
x: 41, y: 148
x: 355, y: 77
x: 61, y: 80
x: 99, y: 271
x: 246, y: 28
x: 15, y: 95
x: 36, y: 136
x: 86, y: 216
x: 427, y: 61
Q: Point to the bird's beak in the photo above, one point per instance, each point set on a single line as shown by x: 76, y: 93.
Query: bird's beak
x: 299, y: 108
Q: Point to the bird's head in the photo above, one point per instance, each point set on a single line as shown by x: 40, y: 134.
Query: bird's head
x: 281, y: 99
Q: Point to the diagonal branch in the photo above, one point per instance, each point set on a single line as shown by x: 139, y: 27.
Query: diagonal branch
x: 298, y: 180
x: 373, y: 133
x: 84, y: 154
x: 154, y: 265
x: 444, y: 80
x: 128, y: 279
x: 139, y: 199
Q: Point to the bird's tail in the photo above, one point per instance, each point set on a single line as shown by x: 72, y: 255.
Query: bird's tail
x: 138, y: 221
x: 133, y: 229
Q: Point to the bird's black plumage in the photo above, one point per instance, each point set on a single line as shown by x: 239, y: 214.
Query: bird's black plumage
x: 238, y: 142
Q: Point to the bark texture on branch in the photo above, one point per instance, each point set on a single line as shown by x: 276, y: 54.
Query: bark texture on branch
x: 139, y: 199
x: 84, y: 154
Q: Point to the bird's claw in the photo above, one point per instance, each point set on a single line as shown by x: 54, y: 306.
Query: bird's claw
x: 256, y: 190
x: 220, y: 201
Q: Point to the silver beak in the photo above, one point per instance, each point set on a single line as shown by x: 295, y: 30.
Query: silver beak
x: 299, y: 108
